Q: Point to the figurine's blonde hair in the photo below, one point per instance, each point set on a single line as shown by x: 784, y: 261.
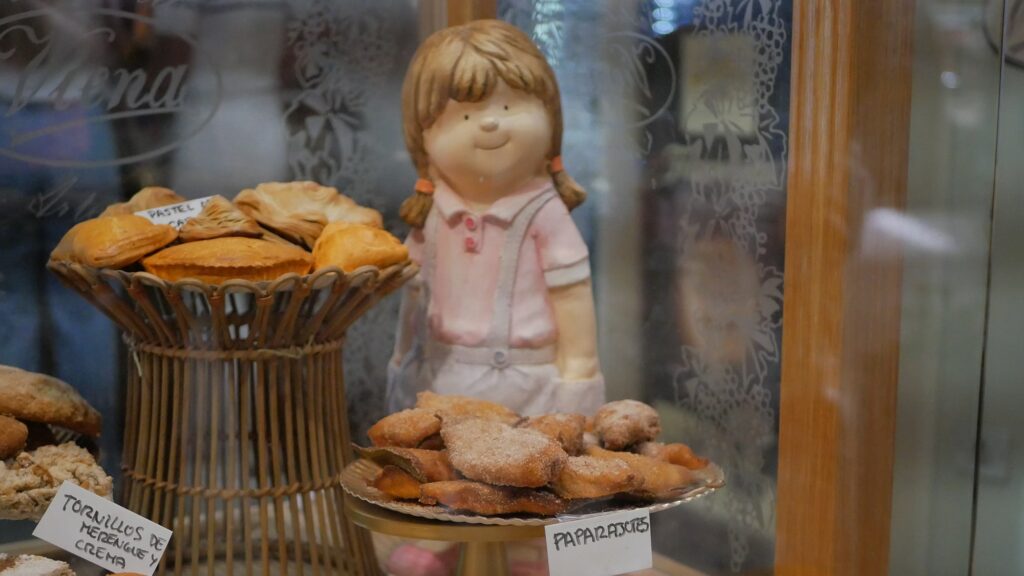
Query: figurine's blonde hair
x: 464, y: 63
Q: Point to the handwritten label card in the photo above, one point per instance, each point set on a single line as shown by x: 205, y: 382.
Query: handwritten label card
x: 175, y: 214
x: 609, y: 544
x: 102, y: 532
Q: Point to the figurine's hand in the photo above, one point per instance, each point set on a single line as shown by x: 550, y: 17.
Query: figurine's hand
x: 580, y: 396
x: 580, y: 368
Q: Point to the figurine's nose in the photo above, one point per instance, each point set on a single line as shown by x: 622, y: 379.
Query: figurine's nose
x: 489, y: 124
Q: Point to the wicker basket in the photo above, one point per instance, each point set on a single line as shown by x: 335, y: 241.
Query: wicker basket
x: 236, y: 431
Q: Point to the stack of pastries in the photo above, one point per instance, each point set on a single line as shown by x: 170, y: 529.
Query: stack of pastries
x: 273, y: 229
x: 33, y: 463
x: 479, y: 457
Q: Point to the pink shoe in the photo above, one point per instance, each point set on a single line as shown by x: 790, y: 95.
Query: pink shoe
x: 411, y: 560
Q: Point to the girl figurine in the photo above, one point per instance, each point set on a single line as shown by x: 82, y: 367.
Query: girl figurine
x: 502, y: 308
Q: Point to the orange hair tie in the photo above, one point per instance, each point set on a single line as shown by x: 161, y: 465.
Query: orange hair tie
x: 424, y: 186
x: 556, y: 165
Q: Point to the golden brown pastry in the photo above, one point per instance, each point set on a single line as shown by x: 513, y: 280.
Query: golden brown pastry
x: 678, y: 454
x: 658, y: 479
x: 219, y: 218
x: 586, y: 477
x: 567, y: 429
x: 423, y: 465
x: 221, y: 259
x: 299, y: 211
x: 40, y: 398
x: 451, y: 407
x: 352, y: 246
x: 149, y: 197
x: 405, y: 429
x: 13, y: 435
x: 397, y: 483
x: 113, y: 241
x: 487, y: 500
x: 498, y: 454
x: 29, y: 482
x: 625, y: 422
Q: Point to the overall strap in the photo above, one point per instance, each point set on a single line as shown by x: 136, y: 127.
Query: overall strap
x: 501, y: 322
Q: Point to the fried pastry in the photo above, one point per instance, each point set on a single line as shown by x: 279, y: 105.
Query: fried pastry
x: 351, y: 246
x: 221, y: 259
x: 677, y: 453
x: 625, y: 422
x: 112, y: 241
x: 658, y: 479
x: 452, y: 407
x: 567, y: 429
x: 405, y: 429
x: 487, y: 500
x: 29, y: 482
x: 145, y: 199
x: 498, y: 454
x: 13, y: 436
x: 28, y: 565
x: 299, y: 211
x: 423, y: 465
x: 218, y: 219
x: 40, y: 398
x: 397, y: 483
x: 587, y: 477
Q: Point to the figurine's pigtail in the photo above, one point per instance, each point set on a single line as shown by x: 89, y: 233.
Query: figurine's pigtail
x: 570, y: 191
x: 415, y: 208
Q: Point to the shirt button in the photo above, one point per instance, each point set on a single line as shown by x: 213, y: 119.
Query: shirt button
x: 471, y: 223
x: 470, y: 243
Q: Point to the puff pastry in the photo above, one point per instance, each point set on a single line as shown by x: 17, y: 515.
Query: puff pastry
x: 33, y: 397
x: 658, y: 479
x: 567, y: 429
x: 350, y: 246
x: 148, y: 197
x: 28, y: 565
x: 451, y: 407
x: 586, y: 477
x: 490, y: 500
x: 397, y: 483
x: 423, y: 465
x: 221, y: 259
x: 405, y: 429
x: 219, y: 218
x: 298, y: 211
x: 113, y: 241
x: 625, y: 422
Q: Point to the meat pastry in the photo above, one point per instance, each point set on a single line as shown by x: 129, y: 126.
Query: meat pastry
x: 677, y: 453
x: 423, y: 465
x: 29, y: 483
x: 397, y: 483
x: 221, y: 259
x: 625, y: 422
x: 40, y: 398
x: 405, y: 429
x: 587, y: 477
x: 496, y: 453
x: 352, y: 246
x: 148, y: 197
x: 299, y: 211
x: 453, y: 407
x: 658, y: 479
x: 219, y: 218
x: 487, y: 500
x: 567, y: 429
x: 113, y: 241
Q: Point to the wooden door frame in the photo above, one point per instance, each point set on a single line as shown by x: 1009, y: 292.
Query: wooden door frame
x: 849, y: 138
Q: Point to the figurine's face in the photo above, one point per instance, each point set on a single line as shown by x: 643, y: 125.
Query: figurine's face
x: 503, y: 139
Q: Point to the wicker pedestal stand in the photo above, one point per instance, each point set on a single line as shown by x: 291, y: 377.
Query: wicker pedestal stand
x: 236, y: 430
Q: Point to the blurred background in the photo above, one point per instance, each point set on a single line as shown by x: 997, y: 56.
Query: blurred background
x: 676, y: 116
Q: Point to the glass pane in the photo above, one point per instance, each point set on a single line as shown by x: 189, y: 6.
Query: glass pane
x: 999, y: 524
x: 676, y: 123
x: 100, y: 98
x: 945, y: 233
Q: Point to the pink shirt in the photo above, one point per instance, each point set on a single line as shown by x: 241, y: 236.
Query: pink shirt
x: 469, y: 248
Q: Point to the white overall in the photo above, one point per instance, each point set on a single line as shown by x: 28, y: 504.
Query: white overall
x: 524, y: 379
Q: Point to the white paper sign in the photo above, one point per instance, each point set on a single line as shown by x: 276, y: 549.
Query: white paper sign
x: 609, y: 544
x: 175, y: 214
x: 102, y: 532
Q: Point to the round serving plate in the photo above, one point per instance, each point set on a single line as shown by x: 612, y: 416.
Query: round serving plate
x: 358, y: 476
